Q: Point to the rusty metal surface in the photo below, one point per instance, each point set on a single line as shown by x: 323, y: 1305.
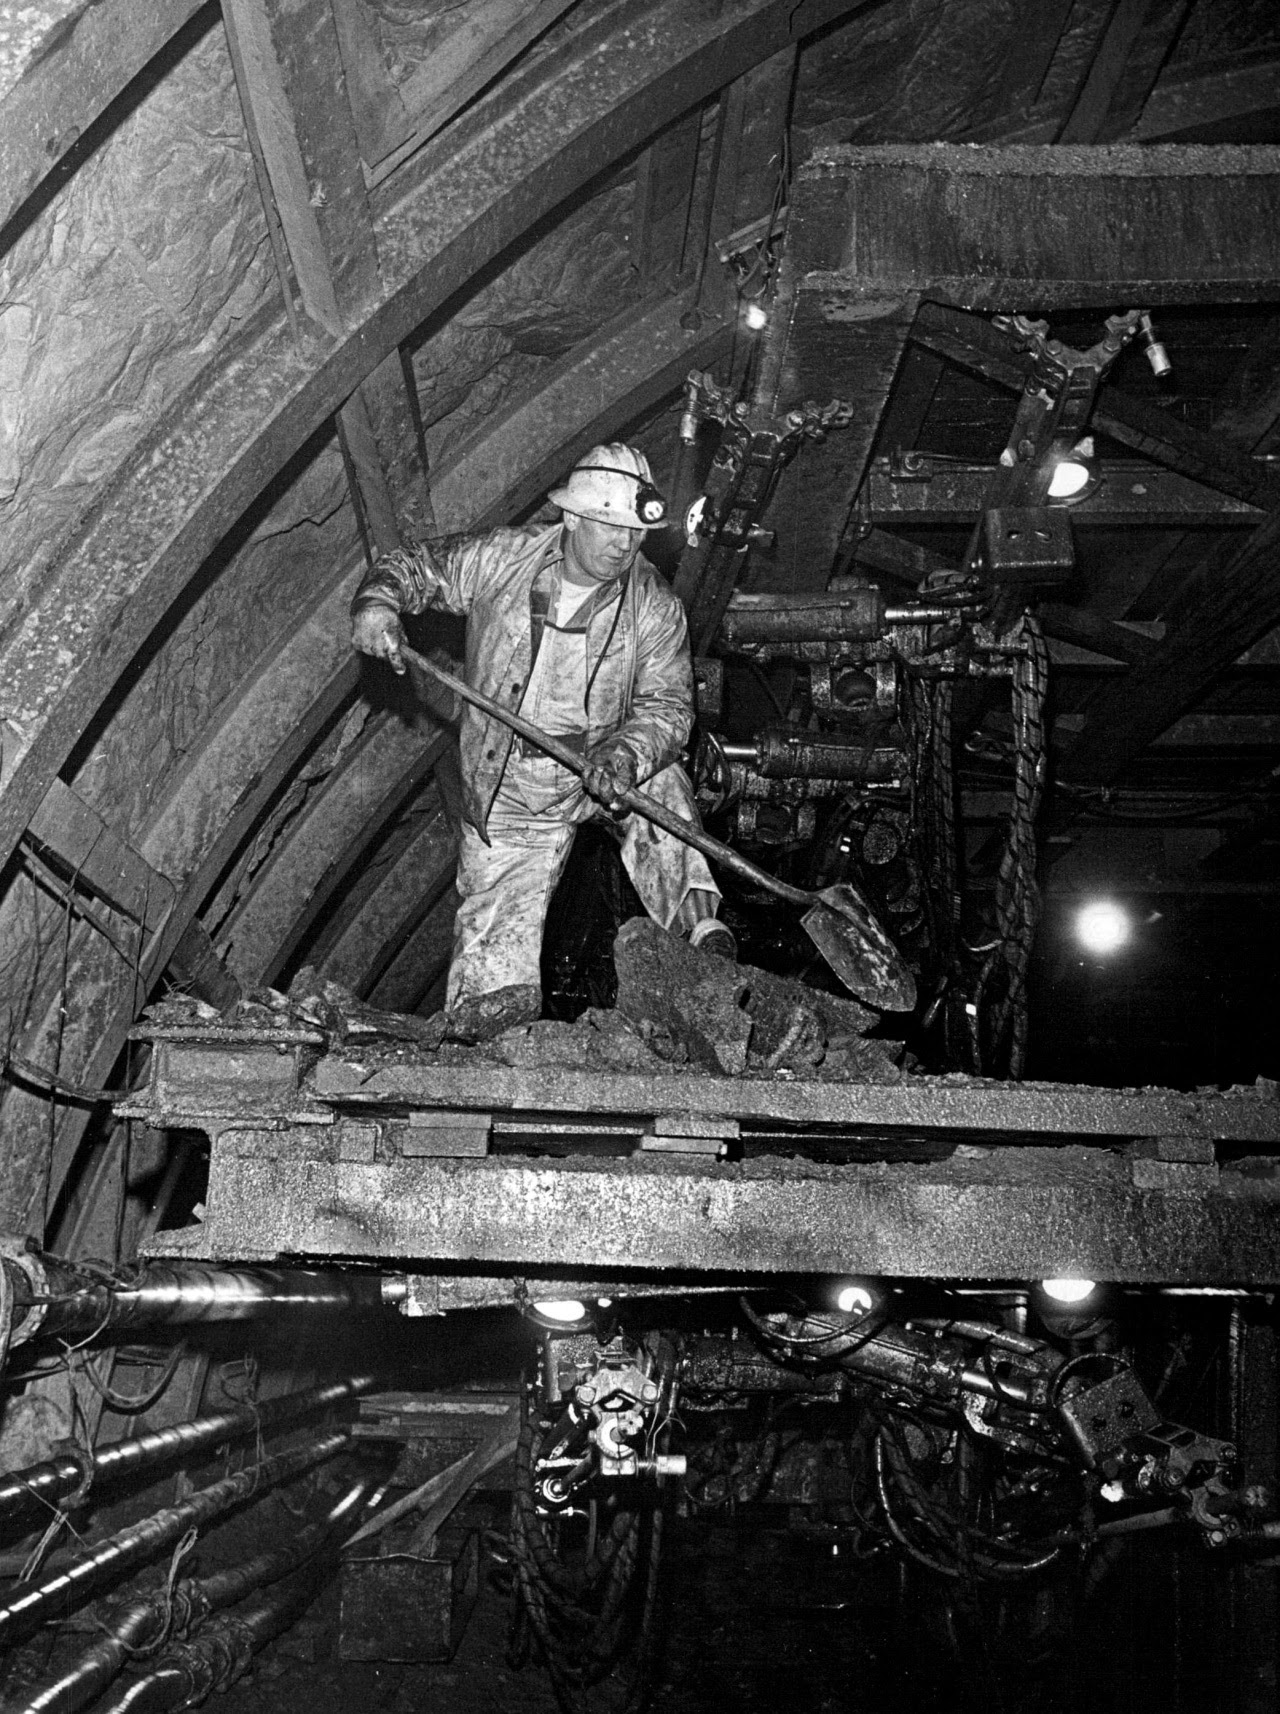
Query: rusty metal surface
x: 1010, y: 1214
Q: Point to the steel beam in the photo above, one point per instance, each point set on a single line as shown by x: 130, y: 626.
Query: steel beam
x: 1019, y: 1214
x: 1130, y: 225
x: 921, y: 490
x: 309, y: 867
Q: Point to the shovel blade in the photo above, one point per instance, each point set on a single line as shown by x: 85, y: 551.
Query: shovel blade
x: 859, y: 951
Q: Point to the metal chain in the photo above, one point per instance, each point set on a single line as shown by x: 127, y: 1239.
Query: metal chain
x: 1017, y: 891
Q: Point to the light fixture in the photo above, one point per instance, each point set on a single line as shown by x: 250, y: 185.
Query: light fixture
x: 1074, y: 472
x: 564, y: 1311
x: 1068, y: 1290
x: 852, y: 1294
x: 1103, y: 927
x: 755, y: 315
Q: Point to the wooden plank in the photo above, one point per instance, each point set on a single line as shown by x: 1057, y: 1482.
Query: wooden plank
x: 975, y: 344
x: 376, y: 108
x: 1086, y: 121
x: 81, y: 845
x: 492, y: 34
x: 1160, y: 29
x: 1229, y: 613
x: 1090, y: 631
x: 267, y: 109
x: 1202, y: 102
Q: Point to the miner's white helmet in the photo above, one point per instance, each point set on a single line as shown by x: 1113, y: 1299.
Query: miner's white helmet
x: 614, y: 485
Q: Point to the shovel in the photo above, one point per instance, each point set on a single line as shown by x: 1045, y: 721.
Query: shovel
x: 837, y: 919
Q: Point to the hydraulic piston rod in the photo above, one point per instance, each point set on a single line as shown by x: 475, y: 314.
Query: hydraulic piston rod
x: 50, y: 1296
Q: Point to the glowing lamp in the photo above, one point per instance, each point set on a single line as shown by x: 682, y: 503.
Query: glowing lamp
x: 1068, y: 1291
x: 854, y: 1299
x: 1102, y: 927
x: 565, y: 1310
x: 1073, y: 472
x: 756, y: 316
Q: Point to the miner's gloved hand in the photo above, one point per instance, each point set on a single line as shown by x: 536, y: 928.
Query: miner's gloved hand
x: 377, y: 631
x: 610, y: 771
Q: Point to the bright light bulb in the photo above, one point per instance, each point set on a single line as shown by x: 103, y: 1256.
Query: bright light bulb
x: 1102, y: 926
x: 851, y: 1298
x: 1069, y: 477
x: 566, y: 1309
x: 756, y: 316
x: 1068, y: 1291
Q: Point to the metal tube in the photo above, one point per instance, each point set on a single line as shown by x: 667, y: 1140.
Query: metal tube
x: 222, y: 1651
x: 42, y: 1485
x: 29, y: 1604
x: 137, y: 1623
x: 181, y: 1292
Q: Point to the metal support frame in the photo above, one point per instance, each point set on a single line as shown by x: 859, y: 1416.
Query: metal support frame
x: 320, y: 1160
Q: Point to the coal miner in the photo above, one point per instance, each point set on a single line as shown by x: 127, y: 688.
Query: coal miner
x: 569, y: 625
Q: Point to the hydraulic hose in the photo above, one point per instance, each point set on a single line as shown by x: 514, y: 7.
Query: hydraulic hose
x: 62, y: 1299
x: 214, y: 1659
x: 30, y: 1604
x: 143, y: 1623
x: 42, y: 1485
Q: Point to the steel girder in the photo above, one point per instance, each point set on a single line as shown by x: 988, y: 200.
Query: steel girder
x: 328, y: 1158
x: 1015, y: 1214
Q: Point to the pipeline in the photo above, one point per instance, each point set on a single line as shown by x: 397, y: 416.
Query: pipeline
x: 184, y: 1676
x: 142, y: 1624
x: 30, y: 1604
x: 52, y: 1296
x: 40, y: 1486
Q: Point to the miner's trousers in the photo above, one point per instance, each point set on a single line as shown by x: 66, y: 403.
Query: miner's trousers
x: 505, y: 886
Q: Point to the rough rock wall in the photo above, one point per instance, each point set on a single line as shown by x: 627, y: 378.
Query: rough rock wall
x: 244, y: 605
x: 129, y: 282
x: 553, y: 295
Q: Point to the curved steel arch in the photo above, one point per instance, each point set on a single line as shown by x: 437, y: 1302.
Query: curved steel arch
x: 590, y: 394
x: 490, y: 180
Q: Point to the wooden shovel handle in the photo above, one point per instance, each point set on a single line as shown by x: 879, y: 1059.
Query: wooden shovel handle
x: 643, y: 805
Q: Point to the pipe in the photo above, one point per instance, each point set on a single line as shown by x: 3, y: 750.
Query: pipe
x: 214, y: 1659
x: 29, y: 1604
x: 168, y: 1292
x: 141, y: 1624
x: 40, y: 1486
